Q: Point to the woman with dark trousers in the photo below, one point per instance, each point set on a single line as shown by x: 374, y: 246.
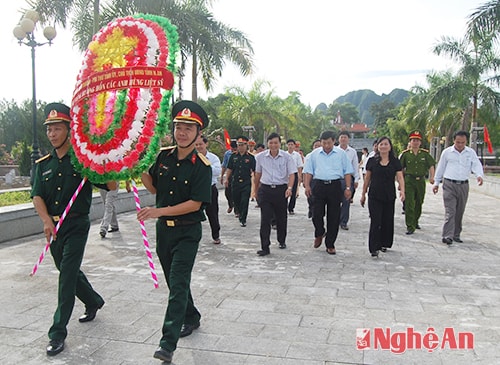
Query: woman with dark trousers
x: 381, y: 170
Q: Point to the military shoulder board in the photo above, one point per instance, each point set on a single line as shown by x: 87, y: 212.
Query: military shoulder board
x: 204, y: 159
x: 43, y: 158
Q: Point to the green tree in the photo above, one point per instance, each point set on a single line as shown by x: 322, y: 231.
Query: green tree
x: 16, y: 124
x: 484, y: 22
x: 21, y: 153
x: 208, y: 42
x: 348, y: 112
x: 477, y: 60
x: 84, y: 16
x: 381, y: 113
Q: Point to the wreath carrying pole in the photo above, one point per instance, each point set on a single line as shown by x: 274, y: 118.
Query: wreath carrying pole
x: 145, y: 236
x: 58, y: 225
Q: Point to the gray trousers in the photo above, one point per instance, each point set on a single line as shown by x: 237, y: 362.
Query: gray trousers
x: 109, y: 218
x: 454, y: 198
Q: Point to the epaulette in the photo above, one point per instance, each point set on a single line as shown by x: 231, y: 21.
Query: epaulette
x: 169, y: 149
x: 43, y: 158
x: 204, y: 159
x: 408, y: 149
x: 423, y: 149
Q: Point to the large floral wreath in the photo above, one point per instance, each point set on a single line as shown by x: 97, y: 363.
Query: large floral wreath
x: 121, y: 102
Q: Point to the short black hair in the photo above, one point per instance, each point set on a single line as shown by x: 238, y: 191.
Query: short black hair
x: 273, y: 135
x: 233, y: 144
x: 290, y: 140
x: 461, y: 133
x: 344, y: 133
x: 259, y: 145
x: 204, y: 139
x: 375, y: 142
x: 328, y: 134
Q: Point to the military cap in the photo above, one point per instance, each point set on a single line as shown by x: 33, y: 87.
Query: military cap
x: 251, y: 142
x: 416, y: 134
x: 186, y: 111
x: 56, y: 113
x: 242, y: 140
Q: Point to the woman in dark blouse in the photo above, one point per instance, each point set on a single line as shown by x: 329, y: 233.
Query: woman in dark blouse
x: 381, y: 170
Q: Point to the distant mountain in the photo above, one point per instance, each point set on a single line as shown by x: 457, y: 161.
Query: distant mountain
x: 363, y: 99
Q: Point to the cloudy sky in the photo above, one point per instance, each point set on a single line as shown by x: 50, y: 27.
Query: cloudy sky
x: 319, y: 48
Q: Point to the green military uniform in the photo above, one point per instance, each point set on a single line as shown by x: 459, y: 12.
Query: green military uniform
x: 415, y: 167
x: 241, y: 167
x: 177, y: 238
x: 55, y: 182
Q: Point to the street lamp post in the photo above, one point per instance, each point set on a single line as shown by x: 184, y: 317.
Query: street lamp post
x: 24, y: 32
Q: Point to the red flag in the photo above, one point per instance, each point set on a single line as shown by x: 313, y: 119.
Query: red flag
x: 227, y: 139
x: 487, y: 139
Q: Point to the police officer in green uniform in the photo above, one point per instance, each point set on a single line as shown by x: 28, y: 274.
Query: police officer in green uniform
x: 182, y: 181
x: 240, y: 168
x: 416, y: 163
x: 54, y: 184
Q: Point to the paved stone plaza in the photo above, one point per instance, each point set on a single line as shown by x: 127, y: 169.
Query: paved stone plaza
x: 298, y: 306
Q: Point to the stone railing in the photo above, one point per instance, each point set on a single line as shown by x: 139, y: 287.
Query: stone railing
x: 17, y: 221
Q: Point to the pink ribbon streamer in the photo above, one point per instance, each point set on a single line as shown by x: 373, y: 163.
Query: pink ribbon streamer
x: 145, y: 236
x: 58, y: 225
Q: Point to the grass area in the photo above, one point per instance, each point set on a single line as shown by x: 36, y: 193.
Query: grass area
x: 14, y: 197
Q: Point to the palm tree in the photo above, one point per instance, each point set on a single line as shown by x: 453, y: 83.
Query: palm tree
x: 477, y: 59
x: 85, y: 19
x: 208, y: 42
x: 485, y: 20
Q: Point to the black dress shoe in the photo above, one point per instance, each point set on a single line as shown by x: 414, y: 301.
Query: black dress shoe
x: 111, y: 230
x: 410, y: 231
x: 282, y: 245
x: 89, y: 314
x: 263, y: 252
x: 447, y: 240
x: 187, y: 329
x: 457, y: 239
x: 375, y: 254
x: 163, y: 355
x: 417, y: 226
x: 55, y: 347
x: 331, y: 250
x: 383, y: 249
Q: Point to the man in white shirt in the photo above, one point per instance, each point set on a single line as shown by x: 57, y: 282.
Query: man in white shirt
x: 212, y: 209
x: 352, y: 156
x: 454, y: 167
x: 297, y: 158
x: 274, y: 176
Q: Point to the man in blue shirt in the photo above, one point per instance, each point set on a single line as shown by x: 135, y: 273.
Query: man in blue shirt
x: 327, y: 166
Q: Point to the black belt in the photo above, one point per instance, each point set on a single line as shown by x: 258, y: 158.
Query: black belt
x: 179, y: 222
x: 416, y: 177
x: 326, y: 182
x: 459, y: 182
x: 274, y: 186
x: 57, y: 218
